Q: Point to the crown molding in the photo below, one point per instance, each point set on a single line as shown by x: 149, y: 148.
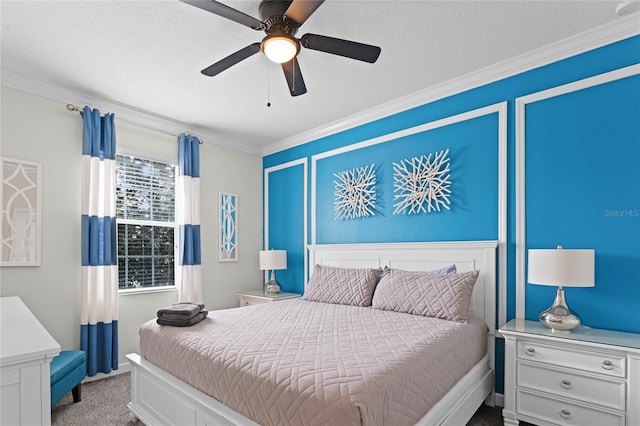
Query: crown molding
x: 583, y: 42
x: 619, y: 30
x: 124, y: 112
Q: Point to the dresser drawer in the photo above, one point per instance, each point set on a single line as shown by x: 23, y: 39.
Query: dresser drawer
x: 595, y: 362
x: 563, y: 382
x: 560, y: 412
x: 248, y: 301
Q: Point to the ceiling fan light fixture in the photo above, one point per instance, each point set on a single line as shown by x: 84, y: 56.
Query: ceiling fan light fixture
x: 280, y: 47
x: 281, y: 19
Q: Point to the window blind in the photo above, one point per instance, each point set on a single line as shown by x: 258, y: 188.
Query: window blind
x: 145, y: 214
x: 145, y: 189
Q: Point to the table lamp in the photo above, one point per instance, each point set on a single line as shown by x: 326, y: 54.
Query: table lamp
x: 272, y: 260
x: 562, y: 268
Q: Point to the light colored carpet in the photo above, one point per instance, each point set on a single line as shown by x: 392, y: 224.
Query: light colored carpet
x: 104, y: 402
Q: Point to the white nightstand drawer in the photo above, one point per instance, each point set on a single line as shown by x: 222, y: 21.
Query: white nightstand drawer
x: 608, y: 364
x: 560, y: 412
x: 248, y: 301
x: 607, y: 392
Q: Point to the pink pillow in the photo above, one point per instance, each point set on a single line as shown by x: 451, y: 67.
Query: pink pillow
x: 445, y: 296
x: 341, y: 286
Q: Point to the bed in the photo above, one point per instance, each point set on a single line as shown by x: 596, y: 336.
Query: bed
x: 359, y: 389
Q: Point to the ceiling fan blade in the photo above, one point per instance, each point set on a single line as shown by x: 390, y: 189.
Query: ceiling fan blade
x: 300, y: 10
x: 337, y: 46
x: 231, y: 60
x: 226, y: 12
x: 294, y: 77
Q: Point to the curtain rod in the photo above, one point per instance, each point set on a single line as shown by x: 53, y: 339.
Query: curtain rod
x: 73, y: 108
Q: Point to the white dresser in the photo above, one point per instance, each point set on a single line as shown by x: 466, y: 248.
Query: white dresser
x: 584, y: 377
x: 26, y: 351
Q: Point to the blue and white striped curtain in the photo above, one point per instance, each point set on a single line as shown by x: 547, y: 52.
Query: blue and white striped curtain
x: 99, y: 291
x: 188, y: 270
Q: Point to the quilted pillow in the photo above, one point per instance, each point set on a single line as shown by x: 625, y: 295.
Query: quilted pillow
x: 341, y: 286
x: 445, y: 296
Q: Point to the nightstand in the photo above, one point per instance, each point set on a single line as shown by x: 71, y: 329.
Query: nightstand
x: 255, y: 297
x: 584, y: 377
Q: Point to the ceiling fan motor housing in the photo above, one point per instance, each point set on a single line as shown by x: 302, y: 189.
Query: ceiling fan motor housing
x: 272, y: 12
x: 278, y: 27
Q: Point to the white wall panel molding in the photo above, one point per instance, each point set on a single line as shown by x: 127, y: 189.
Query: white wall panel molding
x: 502, y: 213
x: 501, y: 110
x: 299, y: 162
x: 580, y: 43
x: 521, y: 104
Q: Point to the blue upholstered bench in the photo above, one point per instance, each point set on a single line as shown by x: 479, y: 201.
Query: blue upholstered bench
x: 67, y: 371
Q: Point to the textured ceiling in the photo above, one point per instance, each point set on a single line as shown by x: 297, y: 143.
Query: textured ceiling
x: 147, y: 56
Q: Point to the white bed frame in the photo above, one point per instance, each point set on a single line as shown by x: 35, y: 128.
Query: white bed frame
x: 158, y: 398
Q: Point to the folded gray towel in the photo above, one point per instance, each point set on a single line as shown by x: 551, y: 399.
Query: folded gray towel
x: 180, y: 310
x: 183, y: 322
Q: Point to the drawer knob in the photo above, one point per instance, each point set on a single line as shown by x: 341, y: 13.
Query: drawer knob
x: 565, y: 414
x: 530, y: 351
x: 607, y: 365
x: 566, y: 384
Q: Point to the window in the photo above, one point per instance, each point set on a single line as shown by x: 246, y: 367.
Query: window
x: 145, y: 216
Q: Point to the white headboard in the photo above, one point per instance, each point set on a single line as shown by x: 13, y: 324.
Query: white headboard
x: 466, y: 255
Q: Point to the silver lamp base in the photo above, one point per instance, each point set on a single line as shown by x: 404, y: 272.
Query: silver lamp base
x: 272, y: 286
x: 559, y: 316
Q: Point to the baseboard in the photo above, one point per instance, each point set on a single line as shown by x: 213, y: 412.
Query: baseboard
x: 500, y: 400
x: 123, y: 367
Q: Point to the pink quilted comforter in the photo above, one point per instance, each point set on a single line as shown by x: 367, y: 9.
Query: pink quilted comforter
x: 308, y: 363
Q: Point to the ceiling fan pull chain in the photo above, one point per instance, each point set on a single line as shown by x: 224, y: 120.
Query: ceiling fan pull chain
x: 268, y: 86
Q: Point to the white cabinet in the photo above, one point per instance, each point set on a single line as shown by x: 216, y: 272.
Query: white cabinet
x: 584, y: 377
x: 248, y: 298
x: 26, y: 351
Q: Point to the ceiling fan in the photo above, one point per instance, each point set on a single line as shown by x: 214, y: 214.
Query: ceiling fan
x: 280, y: 19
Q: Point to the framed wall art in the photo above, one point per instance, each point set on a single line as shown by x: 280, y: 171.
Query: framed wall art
x: 228, y: 227
x: 21, y: 195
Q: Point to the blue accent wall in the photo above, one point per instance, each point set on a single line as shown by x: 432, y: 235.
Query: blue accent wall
x: 286, y: 224
x: 582, y: 180
x: 473, y: 154
x: 583, y: 191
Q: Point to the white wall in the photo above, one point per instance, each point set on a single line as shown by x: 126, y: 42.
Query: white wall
x: 39, y: 129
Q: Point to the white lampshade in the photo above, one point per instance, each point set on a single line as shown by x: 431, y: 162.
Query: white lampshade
x: 280, y: 48
x: 273, y: 259
x: 559, y: 267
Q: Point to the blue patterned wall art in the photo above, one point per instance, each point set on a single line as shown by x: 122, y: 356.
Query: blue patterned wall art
x: 228, y: 224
